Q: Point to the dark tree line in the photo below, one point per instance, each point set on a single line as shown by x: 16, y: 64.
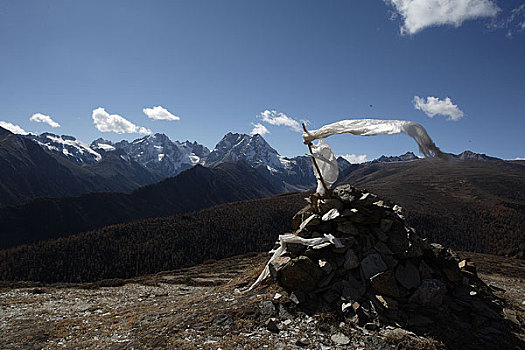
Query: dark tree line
x: 153, y: 245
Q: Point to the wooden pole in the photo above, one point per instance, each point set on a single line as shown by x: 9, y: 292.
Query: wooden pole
x: 327, y: 191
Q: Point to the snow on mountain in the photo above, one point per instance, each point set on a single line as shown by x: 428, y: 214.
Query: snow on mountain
x: 402, y: 158
x: 102, y: 145
x: 288, y: 173
x: 156, y: 152
x: 252, y: 149
x: 66, y: 146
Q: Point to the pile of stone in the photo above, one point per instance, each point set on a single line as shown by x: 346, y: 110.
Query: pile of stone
x: 377, y: 270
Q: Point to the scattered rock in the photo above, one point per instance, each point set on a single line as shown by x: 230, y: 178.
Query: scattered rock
x: 340, y: 339
x: 271, y: 325
x: 284, y: 313
x: 303, y: 342
x: 376, y: 270
x: 222, y: 321
x: 371, y: 326
x: 267, y: 309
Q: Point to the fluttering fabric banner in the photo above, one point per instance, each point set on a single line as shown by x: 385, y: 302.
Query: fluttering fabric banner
x: 365, y: 127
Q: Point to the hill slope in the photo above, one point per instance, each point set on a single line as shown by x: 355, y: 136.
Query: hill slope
x: 475, y: 205
x: 194, y: 189
x: 153, y: 245
x: 27, y: 171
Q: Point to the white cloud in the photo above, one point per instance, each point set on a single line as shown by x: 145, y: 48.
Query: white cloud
x: 275, y: 118
x: 434, y: 106
x: 420, y: 14
x: 519, y: 158
x: 106, y: 122
x: 260, y: 129
x: 42, y: 118
x: 355, y: 159
x: 159, y: 113
x: 513, y: 22
x: 15, y: 129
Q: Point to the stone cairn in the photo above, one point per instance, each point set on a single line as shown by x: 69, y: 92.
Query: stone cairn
x: 382, y: 272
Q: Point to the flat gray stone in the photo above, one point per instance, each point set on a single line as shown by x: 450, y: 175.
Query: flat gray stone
x: 385, y: 225
x: 348, y: 228
x: 277, y: 264
x: 408, y: 275
x: 430, y: 293
x: 267, y: 309
x: 372, y: 264
x: 300, y: 274
x: 351, y: 260
x: 340, y: 339
x: 352, y: 291
x: 385, y: 283
x: 346, y: 193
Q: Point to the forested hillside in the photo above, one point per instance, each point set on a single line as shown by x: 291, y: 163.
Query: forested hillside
x: 473, y: 205
x: 153, y: 245
x: 194, y: 189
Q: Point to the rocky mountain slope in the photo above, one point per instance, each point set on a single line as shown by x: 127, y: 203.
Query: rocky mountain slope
x: 201, y: 307
x: 66, y: 146
x: 27, y: 171
x: 167, y: 158
x: 156, y: 152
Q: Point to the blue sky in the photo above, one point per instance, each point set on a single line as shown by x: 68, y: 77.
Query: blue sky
x: 217, y: 65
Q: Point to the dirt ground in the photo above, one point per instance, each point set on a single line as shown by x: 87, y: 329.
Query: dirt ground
x: 203, y: 308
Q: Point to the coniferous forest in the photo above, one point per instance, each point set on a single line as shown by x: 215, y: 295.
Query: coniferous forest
x: 152, y: 245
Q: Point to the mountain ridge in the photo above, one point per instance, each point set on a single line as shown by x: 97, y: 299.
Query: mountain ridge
x: 193, y: 189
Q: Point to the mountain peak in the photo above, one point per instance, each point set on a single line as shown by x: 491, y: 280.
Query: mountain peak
x: 402, y: 158
x: 254, y: 149
x: 475, y: 156
x: 66, y: 146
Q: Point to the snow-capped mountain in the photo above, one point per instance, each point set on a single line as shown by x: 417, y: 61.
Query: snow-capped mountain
x: 66, y: 146
x: 288, y: 173
x: 166, y: 158
x: 469, y: 155
x: 156, y: 152
x: 402, y: 158
x: 252, y: 149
